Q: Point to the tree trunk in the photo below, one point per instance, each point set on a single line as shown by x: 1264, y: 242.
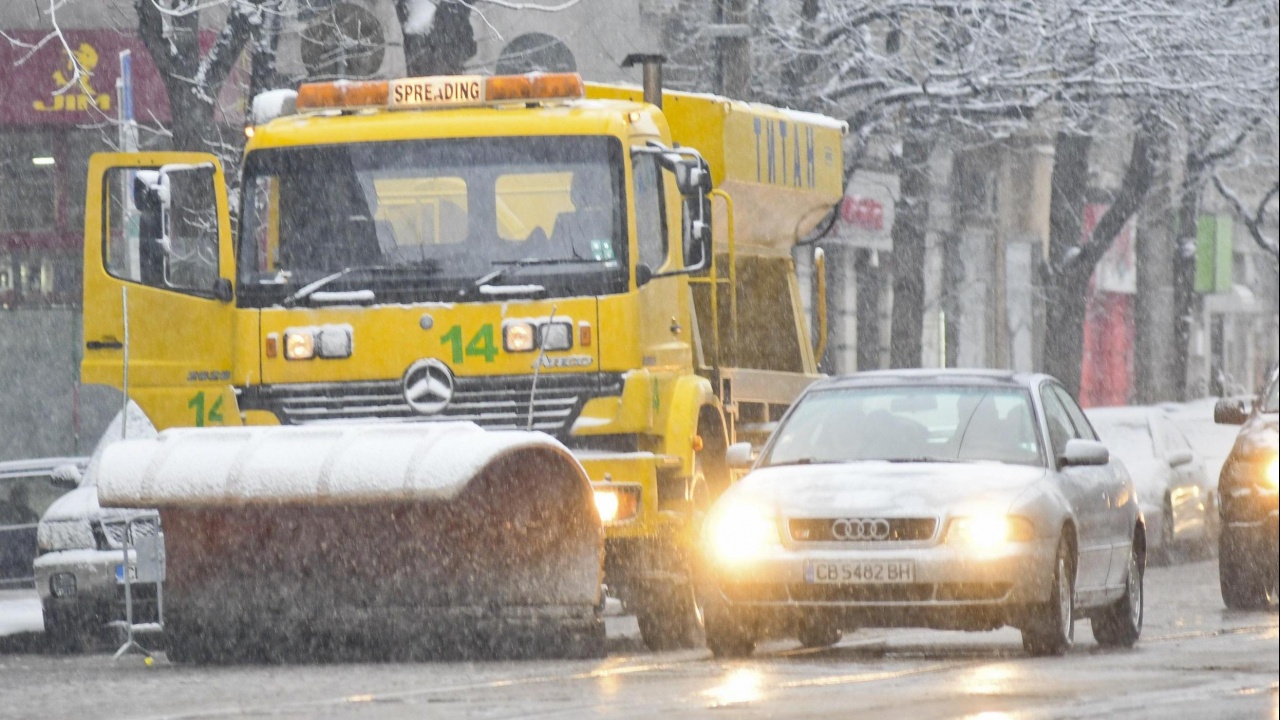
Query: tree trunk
x: 910, y: 230
x: 1154, y: 303
x: 1064, y: 294
x: 446, y: 47
x: 1072, y: 267
x: 1185, y: 300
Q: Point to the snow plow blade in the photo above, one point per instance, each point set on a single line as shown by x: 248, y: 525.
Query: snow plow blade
x: 373, y: 541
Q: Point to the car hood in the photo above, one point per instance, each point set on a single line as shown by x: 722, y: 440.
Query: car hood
x: 891, y: 489
x: 82, y: 504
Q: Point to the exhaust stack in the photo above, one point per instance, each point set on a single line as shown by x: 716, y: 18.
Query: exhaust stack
x: 651, y: 67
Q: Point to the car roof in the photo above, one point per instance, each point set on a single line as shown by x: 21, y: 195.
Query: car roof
x: 932, y: 376
x: 38, y: 466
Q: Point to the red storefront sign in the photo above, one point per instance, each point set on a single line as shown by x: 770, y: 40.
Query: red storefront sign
x: 1106, y: 372
x: 32, y: 78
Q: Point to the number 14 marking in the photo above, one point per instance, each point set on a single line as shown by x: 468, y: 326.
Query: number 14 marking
x: 215, y: 410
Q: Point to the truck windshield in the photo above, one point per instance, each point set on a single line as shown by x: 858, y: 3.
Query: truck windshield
x: 430, y: 220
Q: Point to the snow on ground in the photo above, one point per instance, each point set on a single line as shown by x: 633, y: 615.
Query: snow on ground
x: 20, y: 612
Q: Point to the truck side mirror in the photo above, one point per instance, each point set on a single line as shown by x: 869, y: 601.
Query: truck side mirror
x: 697, y: 237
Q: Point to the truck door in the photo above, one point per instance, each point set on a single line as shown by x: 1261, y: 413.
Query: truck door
x: 158, y: 240
x: 665, y: 335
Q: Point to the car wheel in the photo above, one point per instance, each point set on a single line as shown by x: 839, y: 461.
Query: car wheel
x: 1050, y: 628
x: 1120, y: 624
x: 818, y: 632
x: 669, y: 617
x: 1247, y: 583
x: 729, y: 633
x: 63, y: 633
x: 1164, y: 553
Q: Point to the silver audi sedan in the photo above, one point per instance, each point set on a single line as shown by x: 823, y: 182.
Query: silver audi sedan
x: 949, y: 499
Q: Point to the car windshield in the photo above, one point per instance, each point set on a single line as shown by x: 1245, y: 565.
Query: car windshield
x: 909, y: 424
x: 424, y: 220
x: 1271, y: 400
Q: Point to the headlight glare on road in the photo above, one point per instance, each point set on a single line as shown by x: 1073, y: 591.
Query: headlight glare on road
x: 989, y: 531
x: 739, y: 532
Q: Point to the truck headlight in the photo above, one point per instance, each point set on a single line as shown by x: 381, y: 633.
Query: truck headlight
x: 989, y: 531
x: 299, y: 344
x: 738, y: 532
x: 334, y: 342
x: 517, y: 337
x: 617, y: 503
x: 555, y: 336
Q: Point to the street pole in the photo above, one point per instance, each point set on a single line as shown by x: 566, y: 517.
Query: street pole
x: 733, y: 42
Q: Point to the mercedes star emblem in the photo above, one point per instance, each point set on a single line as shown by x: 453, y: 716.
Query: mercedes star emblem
x: 428, y: 386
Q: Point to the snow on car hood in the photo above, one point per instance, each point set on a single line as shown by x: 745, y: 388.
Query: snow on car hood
x: 883, y: 488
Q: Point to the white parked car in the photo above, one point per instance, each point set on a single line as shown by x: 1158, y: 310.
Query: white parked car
x: 78, y: 570
x: 1176, y: 500
x: 947, y: 499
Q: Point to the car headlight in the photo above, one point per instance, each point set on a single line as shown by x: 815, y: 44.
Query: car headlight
x: 989, y: 531
x: 617, y: 503
x: 55, y: 535
x: 738, y: 532
x: 1269, y: 480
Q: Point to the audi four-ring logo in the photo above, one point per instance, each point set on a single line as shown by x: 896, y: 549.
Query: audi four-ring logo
x: 860, y: 529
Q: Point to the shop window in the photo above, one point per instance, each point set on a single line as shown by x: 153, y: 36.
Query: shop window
x: 28, y: 188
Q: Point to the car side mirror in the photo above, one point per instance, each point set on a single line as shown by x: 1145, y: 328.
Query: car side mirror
x: 1084, y: 452
x: 1230, y: 411
x: 1178, y: 458
x: 65, y: 477
x: 740, y: 456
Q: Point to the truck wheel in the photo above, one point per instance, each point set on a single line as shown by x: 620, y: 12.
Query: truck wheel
x: 669, y: 617
x: 1248, y: 583
x: 1120, y: 624
x: 1050, y: 627
x: 817, y: 632
x: 670, y: 614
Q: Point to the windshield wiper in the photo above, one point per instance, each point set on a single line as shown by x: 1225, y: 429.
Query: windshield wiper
x: 509, y: 266
x: 306, y: 290
x: 923, y: 460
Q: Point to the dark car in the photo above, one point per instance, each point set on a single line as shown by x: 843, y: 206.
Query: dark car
x: 1249, y: 559
x: 27, y: 488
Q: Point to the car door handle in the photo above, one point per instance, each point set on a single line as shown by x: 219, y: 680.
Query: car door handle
x: 104, y: 344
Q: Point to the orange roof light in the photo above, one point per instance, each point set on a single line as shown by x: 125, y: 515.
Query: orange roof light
x: 343, y: 94
x: 441, y: 91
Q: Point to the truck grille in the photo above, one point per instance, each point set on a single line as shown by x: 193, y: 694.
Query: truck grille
x: 899, y: 530
x: 492, y: 402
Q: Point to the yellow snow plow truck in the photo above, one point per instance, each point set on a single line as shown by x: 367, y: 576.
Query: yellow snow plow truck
x: 452, y: 296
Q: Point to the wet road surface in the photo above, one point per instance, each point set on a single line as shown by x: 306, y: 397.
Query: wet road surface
x: 1195, y: 660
